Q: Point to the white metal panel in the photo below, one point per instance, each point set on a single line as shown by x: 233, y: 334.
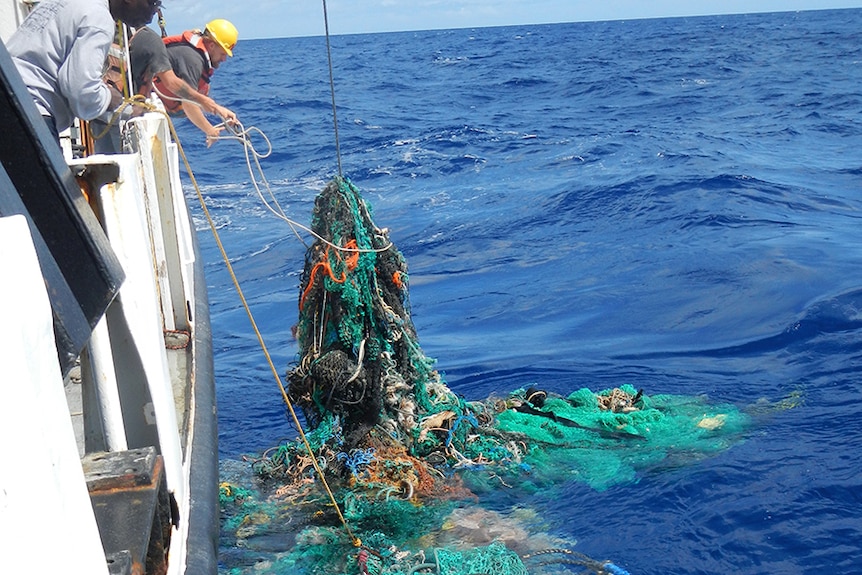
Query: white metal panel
x: 46, y: 519
x: 126, y: 225
x: 156, y: 186
x: 184, y: 266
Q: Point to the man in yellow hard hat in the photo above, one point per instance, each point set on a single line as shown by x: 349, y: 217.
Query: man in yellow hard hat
x: 195, y: 55
x: 149, y: 59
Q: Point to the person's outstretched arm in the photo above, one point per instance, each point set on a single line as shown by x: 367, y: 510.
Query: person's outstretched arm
x: 182, y: 89
x: 196, y: 116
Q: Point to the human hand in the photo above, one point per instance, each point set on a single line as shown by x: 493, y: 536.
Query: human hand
x: 116, y: 94
x: 213, y: 135
x: 227, y: 115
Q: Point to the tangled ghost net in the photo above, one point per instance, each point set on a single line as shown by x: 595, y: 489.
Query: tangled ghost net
x: 365, y: 386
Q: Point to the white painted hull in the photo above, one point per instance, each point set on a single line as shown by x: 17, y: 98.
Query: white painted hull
x: 147, y: 374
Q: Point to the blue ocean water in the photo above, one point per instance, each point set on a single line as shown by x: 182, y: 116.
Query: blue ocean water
x: 672, y: 204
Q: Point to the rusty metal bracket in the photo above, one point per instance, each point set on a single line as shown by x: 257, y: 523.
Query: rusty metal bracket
x: 132, y: 506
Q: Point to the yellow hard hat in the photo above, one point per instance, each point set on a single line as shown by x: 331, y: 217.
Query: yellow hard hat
x: 224, y: 33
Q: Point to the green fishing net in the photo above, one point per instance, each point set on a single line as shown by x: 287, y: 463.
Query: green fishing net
x: 405, y: 458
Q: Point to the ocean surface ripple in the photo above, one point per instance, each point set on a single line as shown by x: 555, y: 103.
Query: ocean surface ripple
x: 672, y: 204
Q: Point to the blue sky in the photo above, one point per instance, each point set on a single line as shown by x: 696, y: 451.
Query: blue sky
x: 283, y: 18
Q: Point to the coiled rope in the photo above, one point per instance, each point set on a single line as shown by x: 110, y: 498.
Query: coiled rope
x: 252, y: 159
x: 258, y: 179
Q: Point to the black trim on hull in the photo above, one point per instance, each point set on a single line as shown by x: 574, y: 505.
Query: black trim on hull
x: 202, y: 552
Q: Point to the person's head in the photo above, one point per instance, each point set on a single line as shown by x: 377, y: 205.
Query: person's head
x: 220, y: 37
x: 135, y: 13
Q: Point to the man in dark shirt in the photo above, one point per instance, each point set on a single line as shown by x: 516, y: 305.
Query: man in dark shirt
x: 149, y: 59
x: 194, y: 56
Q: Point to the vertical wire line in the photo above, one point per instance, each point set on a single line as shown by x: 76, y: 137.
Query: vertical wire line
x: 332, y: 90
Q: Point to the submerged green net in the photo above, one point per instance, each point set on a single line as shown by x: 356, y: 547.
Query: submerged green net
x: 403, y: 453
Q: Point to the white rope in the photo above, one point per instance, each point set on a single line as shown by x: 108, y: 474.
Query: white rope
x: 241, y: 134
x: 358, y: 363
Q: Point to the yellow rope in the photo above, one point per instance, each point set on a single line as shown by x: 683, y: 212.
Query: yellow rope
x: 356, y: 541
x: 136, y: 100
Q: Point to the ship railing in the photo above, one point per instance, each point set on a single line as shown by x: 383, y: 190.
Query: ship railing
x: 137, y: 370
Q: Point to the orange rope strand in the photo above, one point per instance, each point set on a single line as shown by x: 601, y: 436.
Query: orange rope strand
x: 351, y: 262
